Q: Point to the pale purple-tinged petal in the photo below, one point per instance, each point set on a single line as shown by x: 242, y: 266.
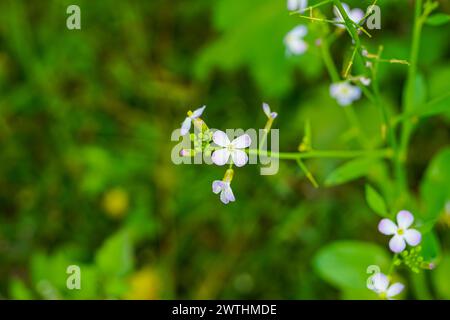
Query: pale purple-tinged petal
x: 387, y: 227
x: 239, y: 157
x: 404, y: 219
x: 334, y: 89
x: 229, y: 193
x: 394, y: 290
x: 217, y: 186
x: 220, y: 157
x: 299, y: 31
x: 297, y: 46
x: 223, y: 197
x: 412, y: 237
x: 273, y: 115
x: 355, y: 93
x: 185, y: 126
x: 344, y: 101
x: 380, y: 282
x: 220, y: 138
x: 266, y: 109
x: 356, y: 15
x: 397, y: 244
x: 197, y: 113
x: 292, y: 5
x: 242, y: 142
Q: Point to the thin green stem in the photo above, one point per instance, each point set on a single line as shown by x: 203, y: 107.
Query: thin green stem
x: 380, y: 153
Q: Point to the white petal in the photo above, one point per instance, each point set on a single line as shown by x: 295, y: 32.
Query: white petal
x: 397, y: 244
x: 344, y: 101
x: 297, y: 46
x: 266, y: 109
x: 387, y: 227
x: 395, y: 289
x: 242, y: 142
x: 355, y: 93
x: 356, y: 15
x: 299, y: 31
x: 223, y: 197
x: 239, y: 157
x: 292, y: 5
x: 221, y: 139
x: 404, y: 219
x: 220, y: 157
x: 197, y: 113
x: 273, y: 115
x: 334, y: 89
x: 380, y: 282
x: 413, y: 237
x: 185, y: 126
x: 217, y: 186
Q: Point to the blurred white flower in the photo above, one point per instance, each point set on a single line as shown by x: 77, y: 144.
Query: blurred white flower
x: 297, y: 5
x: 268, y: 112
x: 345, y: 93
x: 356, y: 15
x: 401, y: 232
x: 186, y: 125
x: 230, y: 149
x: 365, y: 81
x: 295, y: 45
x: 380, y: 285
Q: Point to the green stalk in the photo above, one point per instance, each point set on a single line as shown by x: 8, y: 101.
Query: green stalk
x: 380, y: 153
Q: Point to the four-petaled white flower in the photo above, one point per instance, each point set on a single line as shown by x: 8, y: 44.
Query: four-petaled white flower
x: 345, y: 93
x: 380, y: 284
x: 186, y: 125
x: 268, y: 112
x: 400, y: 231
x: 297, y: 5
x: 356, y: 15
x: 224, y: 187
x: 230, y: 149
x: 294, y: 42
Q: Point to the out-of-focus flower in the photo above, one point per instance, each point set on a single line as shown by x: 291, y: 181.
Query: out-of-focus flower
x: 295, y: 45
x: 380, y: 285
x: 145, y: 284
x: 224, y: 187
x: 115, y: 202
x: 268, y: 112
x: 356, y: 15
x: 345, y: 93
x: 365, y: 81
x: 401, y: 232
x: 297, y: 5
x: 186, y: 125
x: 230, y: 149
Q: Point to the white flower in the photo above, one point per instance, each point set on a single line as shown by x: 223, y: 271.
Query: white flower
x: 230, y: 149
x: 356, y: 15
x: 299, y: 5
x: 400, y: 231
x: 186, y: 125
x: 380, y: 284
x: 294, y: 42
x: 268, y: 112
x: 345, y: 93
x: 224, y: 187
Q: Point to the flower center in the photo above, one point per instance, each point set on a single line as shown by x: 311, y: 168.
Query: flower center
x: 230, y: 147
x: 345, y: 90
x: 400, y: 232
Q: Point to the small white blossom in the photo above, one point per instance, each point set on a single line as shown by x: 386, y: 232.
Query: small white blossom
x: 230, y: 149
x: 401, y: 232
x: 226, y: 194
x: 297, y: 5
x: 380, y: 285
x: 268, y: 112
x: 356, y: 15
x: 295, y: 45
x: 345, y: 93
x: 186, y: 125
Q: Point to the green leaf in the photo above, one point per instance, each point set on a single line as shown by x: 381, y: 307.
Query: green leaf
x: 115, y: 257
x: 434, y: 107
x: 344, y: 264
x: 434, y: 188
x: 441, y: 278
x: 376, y: 201
x: 438, y: 19
x: 19, y: 291
x: 351, y: 170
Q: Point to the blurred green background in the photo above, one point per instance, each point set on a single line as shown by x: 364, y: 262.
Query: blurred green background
x: 85, y: 171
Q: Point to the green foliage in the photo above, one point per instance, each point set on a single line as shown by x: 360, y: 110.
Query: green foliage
x: 349, y: 171
x: 376, y: 201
